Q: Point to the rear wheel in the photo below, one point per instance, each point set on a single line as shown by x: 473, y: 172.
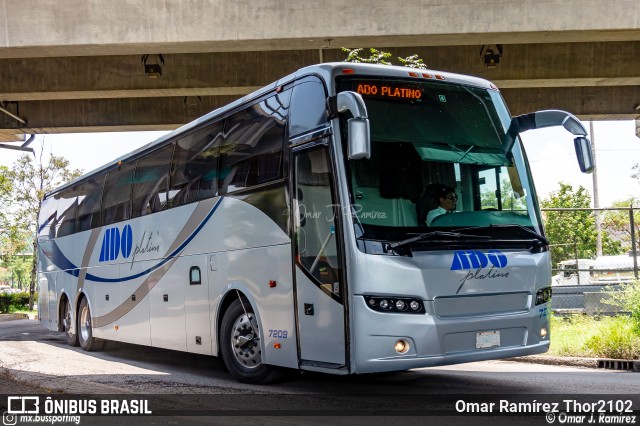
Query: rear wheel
x: 240, y: 345
x: 85, y: 329
x: 67, y: 320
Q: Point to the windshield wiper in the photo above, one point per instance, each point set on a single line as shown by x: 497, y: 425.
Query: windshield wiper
x: 531, y: 232
x: 441, y: 236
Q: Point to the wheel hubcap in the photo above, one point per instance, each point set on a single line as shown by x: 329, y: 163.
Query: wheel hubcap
x: 67, y: 320
x: 85, y: 323
x: 245, y: 342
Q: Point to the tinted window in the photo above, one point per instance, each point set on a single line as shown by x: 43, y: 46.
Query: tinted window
x: 194, y: 168
x: 308, y: 106
x: 67, y: 209
x: 251, y: 151
x: 47, y: 218
x: 89, y: 204
x: 116, y: 199
x: 151, y: 182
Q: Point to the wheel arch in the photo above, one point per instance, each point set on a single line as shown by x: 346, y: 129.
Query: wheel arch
x: 232, y: 294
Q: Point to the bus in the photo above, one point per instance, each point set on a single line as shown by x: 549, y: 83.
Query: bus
x: 287, y: 230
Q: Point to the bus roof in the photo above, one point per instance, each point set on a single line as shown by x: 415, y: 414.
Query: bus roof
x: 327, y: 70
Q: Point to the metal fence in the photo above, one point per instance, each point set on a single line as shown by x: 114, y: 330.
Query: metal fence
x: 594, y: 252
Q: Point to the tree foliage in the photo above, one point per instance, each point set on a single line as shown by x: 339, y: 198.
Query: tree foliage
x: 573, y: 233
x: 30, y: 178
x: 380, y: 57
x: 618, y: 223
x: 636, y: 172
x: 5, y: 200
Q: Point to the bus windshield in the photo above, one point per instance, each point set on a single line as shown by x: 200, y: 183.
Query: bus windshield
x: 433, y: 141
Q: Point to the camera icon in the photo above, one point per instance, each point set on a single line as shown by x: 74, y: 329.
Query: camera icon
x: 9, y: 419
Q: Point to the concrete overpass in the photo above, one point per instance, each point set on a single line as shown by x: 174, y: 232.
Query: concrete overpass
x: 76, y: 65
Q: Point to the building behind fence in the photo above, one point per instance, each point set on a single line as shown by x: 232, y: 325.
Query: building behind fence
x: 590, y: 263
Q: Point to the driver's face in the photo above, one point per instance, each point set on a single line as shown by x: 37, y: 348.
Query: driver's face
x: 449, y: 202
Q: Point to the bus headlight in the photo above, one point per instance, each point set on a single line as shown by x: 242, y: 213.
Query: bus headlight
x: 397, y: 305
x: 543, y: 295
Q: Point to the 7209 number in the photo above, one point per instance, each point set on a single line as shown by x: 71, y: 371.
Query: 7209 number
x: 278, y: 334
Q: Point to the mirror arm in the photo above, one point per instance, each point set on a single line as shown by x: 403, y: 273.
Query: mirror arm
x: 346, y: 101
x: 518, y: 125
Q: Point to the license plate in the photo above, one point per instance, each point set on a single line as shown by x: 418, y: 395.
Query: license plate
x: 487, y: 339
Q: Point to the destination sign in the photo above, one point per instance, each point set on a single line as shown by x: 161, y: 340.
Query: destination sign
x: 382, y: 90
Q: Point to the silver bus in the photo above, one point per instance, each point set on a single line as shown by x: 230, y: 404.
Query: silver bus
x: 289, y: 230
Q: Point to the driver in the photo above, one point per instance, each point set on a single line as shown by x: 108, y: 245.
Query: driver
x: 447, y: 200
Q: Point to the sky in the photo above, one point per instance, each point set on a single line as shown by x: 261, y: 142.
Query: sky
x: 550, y: 151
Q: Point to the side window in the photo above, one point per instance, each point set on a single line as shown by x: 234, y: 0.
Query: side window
x: 47, y: 217
x: 194, y: 168
x: 308, y: 106
x: 151, y: 182
x: 67, y: 210
x: 315, y: 206
x: 89, y: 196
x: 252, y: 150
x: 116, y: 199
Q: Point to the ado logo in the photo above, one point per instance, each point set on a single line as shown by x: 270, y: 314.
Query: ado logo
x: 115, y: 242
x: 474, y: 259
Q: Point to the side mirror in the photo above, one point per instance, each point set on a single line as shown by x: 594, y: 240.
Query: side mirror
x: 359, y: 141
x: 584, y: 154
x: 548, y: 118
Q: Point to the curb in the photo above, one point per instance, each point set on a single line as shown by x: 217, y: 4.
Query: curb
x: 11, y: 317
x: 558, y: 360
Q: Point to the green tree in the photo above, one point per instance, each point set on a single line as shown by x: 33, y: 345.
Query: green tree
x: 32, y: 177
x: 5, y: 201
x: 381, y: 57
x: 636, y: 172
x: 573, y: 233
x: 618, y: 223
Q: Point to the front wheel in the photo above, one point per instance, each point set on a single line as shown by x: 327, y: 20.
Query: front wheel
x: 240, y: 345
x: 85, y: 330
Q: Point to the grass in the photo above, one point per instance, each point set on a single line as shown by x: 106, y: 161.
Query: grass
x: 595, y: 337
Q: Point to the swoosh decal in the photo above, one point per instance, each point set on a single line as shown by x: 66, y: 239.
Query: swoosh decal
x: 65, y: 265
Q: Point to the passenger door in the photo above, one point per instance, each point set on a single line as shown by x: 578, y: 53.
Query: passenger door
x: 320, y: 290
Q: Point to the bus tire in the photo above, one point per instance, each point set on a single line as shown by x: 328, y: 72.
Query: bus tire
x: 85, y: 329
x: 240, y: 345
x: 72, y: 338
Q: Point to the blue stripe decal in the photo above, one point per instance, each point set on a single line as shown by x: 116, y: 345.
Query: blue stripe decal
x: 61, y: 261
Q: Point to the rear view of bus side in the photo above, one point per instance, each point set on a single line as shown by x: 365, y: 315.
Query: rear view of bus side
x: 288, y: 230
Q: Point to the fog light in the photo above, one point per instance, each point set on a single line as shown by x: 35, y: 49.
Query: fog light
x: 402, y: 346
x: 543, y: 332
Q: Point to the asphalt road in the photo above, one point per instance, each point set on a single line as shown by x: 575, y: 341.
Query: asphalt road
x: 33, y: 359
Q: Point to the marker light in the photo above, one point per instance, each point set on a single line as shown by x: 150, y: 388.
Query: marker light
x: 402, y: 346
x: 395, y: 305
x: 543, y: 332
